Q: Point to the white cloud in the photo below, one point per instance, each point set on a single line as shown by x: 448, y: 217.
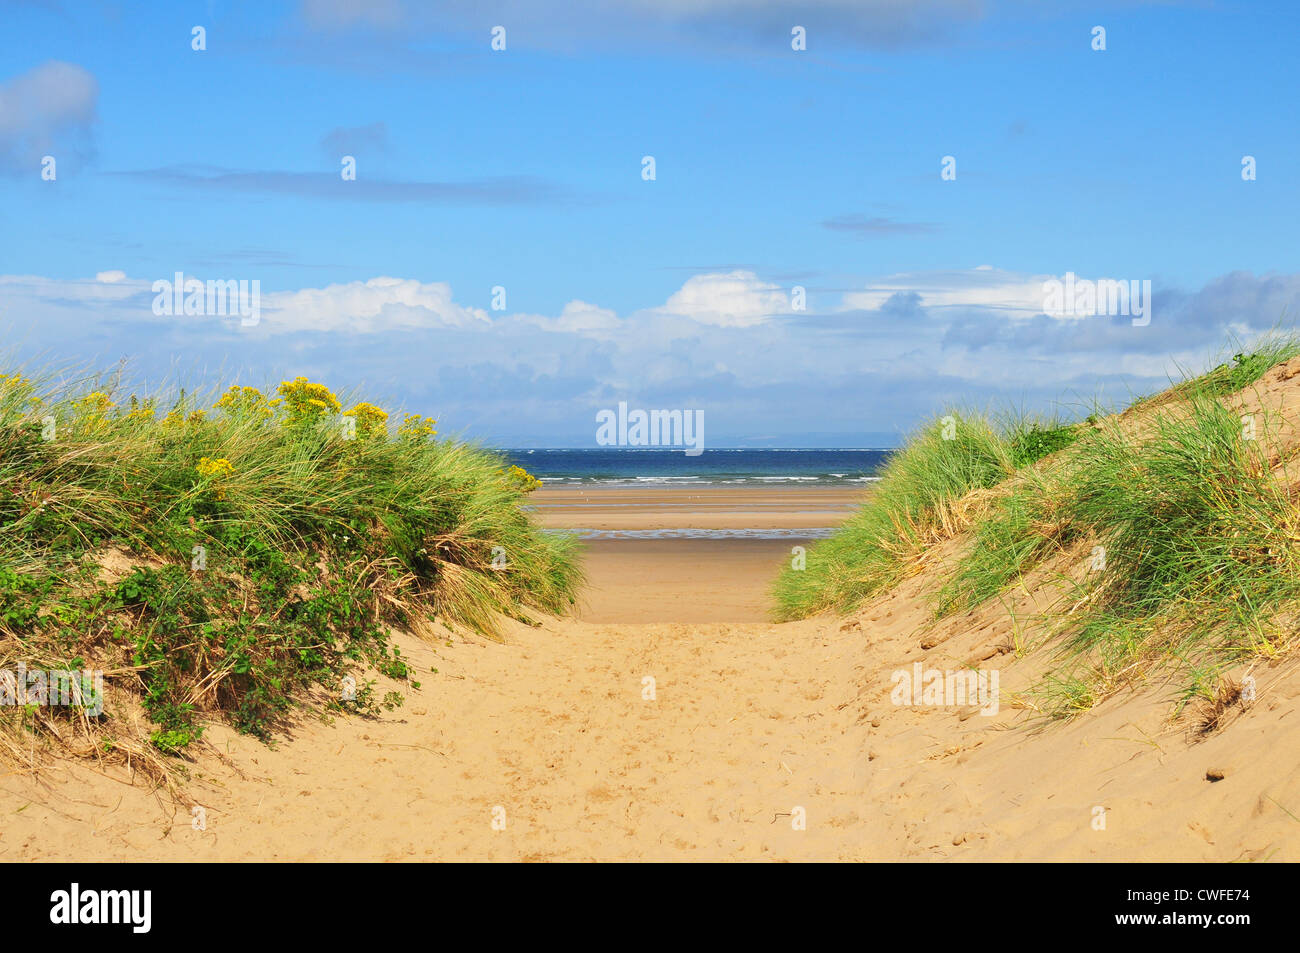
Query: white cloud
x: 879, y: 358
x: 734, y: 299
x: 1016, y: 295
x: 380, y: 304
x: 579, y: 316
x: 49, y: 110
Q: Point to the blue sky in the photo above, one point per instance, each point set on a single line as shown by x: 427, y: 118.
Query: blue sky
x: 775, y: 168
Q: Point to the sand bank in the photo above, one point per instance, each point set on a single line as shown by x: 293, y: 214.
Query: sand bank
x: 606, y: 508
x: 678, y: 579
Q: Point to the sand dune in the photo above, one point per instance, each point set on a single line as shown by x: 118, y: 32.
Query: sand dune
x: 761, y: 741
x: 748, y: 724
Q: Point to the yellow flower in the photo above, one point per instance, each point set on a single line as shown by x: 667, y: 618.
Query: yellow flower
x: 178, y: 418
x: 219, y: 467
x: 306, y: 400
x: 213, y: 470
x: 141, y: 410
x: 523, y: 479
x: 245, y: 402
x: 371, y: 421
x: 96, y: 403
x: 92, y: 410
x: 416, y: 428
x: 16, y: 386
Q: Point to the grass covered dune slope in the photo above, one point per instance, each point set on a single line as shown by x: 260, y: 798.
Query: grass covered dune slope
x: 226, y: 560
x: 1164, y: 541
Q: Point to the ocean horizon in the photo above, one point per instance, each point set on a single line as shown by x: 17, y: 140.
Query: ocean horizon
x: 732, y: 467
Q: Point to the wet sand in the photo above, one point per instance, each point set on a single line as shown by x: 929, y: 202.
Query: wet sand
x: 633, y: 508
x: 679, y: 579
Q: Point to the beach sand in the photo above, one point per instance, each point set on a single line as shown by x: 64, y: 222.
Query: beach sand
x: 791, y: 507
x: 682, y: 579
x: 704, y: 740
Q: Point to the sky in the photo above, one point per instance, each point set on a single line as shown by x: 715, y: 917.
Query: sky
x: 837, y: 243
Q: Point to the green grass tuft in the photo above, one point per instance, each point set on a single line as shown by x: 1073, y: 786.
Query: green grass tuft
x: 1200, y: 540
x: 1244, y: 369
x: 946, y: 460
x: 1031, y: 441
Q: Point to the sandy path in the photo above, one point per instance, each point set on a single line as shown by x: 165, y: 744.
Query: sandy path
x: 749, y: 722
x: 682, y: 580
x: 552, y: 727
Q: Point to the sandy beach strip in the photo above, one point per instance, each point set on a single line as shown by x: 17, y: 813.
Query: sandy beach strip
x: 685, y: 579
x: 689, y: 507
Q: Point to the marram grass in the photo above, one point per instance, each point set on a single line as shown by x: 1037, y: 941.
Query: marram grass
x: 909, y: 507
x: 1195, y: 543
x: 1201, y: 544
x: 270, y: 542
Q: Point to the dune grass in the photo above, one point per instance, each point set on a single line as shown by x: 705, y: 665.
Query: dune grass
x: 909, y: 507
x: 1244, y: 368
x: 1196, y: 543
x: 1201, y: 550
x: 1017, y: 531
x: 270, y: 545
x: 924, y: 495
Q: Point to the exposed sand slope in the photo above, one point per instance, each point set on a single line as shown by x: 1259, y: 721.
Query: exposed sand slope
x: 749, y: 722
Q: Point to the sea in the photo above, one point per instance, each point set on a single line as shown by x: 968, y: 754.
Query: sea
x: 620, y: 466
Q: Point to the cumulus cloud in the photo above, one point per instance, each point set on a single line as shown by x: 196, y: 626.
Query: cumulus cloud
x: 734, y: 299
x: 49, y: 110
x: 578, y: 316
x: 362, y: 307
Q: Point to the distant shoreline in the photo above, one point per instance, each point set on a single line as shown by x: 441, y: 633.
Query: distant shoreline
x: 689, y: 553
x: 734, y: 467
